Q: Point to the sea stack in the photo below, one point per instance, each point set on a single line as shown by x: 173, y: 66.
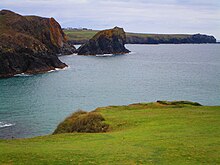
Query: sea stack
x: 110, y: 41
x: 30, y: 44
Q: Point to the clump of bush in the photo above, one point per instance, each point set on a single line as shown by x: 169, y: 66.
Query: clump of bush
x: 84, y: 122
x: 179, y: 103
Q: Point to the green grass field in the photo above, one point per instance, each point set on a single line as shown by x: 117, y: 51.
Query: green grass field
x: 80, y: 35
x: 158, y: 36
x: 144, y: 133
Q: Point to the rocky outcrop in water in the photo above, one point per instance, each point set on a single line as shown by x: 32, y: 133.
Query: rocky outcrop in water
x: 105, y: 42
x: 30, y: 44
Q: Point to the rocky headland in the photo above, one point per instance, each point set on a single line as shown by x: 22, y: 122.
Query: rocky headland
x: 133, y: 38
x: 30, y: 44
x: 110, y: 41
x: 82, y: 36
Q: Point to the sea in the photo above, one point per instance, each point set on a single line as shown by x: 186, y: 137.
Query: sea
x: 33, y: 105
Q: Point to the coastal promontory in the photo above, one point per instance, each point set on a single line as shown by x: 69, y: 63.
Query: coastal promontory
x: 110, y: 41
x: 81, y: 36
x: 30, y: 44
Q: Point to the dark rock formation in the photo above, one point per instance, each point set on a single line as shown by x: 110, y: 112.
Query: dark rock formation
x: 105, y: 42
x: 30, y: 44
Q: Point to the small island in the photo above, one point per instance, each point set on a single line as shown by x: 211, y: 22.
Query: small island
x: 110, y: 41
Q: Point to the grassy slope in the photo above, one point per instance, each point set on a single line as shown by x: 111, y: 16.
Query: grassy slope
x: 140, y: 134
x: 159, y: 36
x: 79, y: 35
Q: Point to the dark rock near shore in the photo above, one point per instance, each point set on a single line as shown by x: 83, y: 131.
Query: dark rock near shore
x: 30, y: 44
x: 105, y: 42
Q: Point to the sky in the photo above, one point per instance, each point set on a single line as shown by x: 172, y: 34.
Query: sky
x: 146, y: 16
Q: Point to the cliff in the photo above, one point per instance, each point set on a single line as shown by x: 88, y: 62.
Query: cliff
x: 30, y: 44
x: 105, y: 42
x: 82, y: 36
x: 134, y: 38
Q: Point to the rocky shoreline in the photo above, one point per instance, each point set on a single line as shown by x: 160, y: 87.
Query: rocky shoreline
x: 30, y: 44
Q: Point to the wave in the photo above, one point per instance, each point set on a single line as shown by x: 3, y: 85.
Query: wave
x: 4, y: 124
x: 104, y: 55
x: 67, y: 67
x: 53, y: 70
x: 59, y: 69
x: 111, y: 55
x: 132, y: 53
x: 22, y: 75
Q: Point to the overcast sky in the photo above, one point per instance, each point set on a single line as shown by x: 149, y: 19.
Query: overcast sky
x: 149, y: 16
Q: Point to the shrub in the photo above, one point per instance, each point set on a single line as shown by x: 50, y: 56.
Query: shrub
x: 179, y: 103
x: 81, y: 121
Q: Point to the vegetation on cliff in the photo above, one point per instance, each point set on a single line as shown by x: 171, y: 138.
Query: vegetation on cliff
x: 143, y: 133
x: 81, y: 121
x: 29, y: 44
x: 81, y: 36
x: 110, y: 41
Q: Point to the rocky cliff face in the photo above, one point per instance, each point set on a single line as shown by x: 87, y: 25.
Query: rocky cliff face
x: 105, y: 42
x: 30, y: 44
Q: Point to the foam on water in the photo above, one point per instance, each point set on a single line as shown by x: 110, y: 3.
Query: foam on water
x: 4, y: 124
x: 58, y: 69
x: 104, y: 55
x: 22, y: 75
x: 111, y: 55
x: 27, y: 75
x: 132, y: 53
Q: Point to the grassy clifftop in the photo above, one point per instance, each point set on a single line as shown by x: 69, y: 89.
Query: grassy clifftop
x: 81, y: 36
x: 145, y: 133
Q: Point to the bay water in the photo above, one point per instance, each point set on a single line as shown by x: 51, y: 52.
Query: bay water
x: 33, y: 105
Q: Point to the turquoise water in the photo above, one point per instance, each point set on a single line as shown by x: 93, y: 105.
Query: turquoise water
x: 34, y: 105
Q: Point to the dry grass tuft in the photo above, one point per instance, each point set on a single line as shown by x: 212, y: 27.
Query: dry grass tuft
x: 84, y: 122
